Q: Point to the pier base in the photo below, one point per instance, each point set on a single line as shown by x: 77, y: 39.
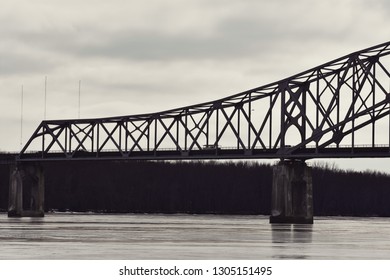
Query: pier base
x: 292, y: 193
x: 26, y: 191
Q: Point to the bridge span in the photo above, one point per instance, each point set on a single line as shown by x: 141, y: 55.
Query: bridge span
x: 226, y: 153
x: 340, y: 109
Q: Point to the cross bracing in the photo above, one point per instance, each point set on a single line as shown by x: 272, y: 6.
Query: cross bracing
x: 338, y: 109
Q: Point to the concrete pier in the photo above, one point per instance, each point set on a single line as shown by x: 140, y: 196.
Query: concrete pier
x: 292, y: 193
x: 26, y: 191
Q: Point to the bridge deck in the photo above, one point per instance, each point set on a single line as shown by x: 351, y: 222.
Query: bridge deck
x: 303, y: 153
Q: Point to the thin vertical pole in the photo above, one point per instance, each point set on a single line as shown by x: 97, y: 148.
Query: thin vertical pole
x: 79, y: 96
x: 21, y: 120
x: 44, y: 112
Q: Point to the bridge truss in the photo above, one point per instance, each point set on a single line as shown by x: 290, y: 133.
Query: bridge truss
x: 338, y: 109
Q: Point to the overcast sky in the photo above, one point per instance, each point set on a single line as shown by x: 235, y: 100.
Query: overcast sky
x: 144, y: 56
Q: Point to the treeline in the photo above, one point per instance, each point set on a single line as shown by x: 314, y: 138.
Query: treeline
x: 160, y: 187
x: 199, y: 187
x: 350, y: 193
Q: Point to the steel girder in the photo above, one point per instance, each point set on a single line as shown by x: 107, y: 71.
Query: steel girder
x: 337, y: 109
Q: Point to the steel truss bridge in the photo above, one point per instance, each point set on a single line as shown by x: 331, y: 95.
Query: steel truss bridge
x: 338, y: 109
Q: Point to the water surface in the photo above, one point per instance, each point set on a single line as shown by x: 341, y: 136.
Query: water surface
x: 145, y: 236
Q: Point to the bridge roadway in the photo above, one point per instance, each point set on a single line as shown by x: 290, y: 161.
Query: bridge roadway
x: 359, y: 151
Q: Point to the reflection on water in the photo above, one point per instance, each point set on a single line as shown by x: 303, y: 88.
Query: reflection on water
x: 138, y: 236
x: 291, y: 233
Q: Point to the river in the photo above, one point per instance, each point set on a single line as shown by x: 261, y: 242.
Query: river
x: 145, y: 236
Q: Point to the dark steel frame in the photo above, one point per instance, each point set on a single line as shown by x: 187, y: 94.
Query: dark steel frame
x: 317, y: 113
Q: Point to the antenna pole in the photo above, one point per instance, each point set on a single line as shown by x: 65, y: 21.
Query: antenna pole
x: 44, y: 112
x: 21, y: 120
x: 79, y: 96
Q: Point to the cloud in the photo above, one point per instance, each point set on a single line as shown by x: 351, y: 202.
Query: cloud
x: 22, y: 62
x: 230, y: 30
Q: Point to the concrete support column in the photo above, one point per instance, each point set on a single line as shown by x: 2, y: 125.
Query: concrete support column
x: 15, y: 197
x: 292, y: 193
x: 26, y: 191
